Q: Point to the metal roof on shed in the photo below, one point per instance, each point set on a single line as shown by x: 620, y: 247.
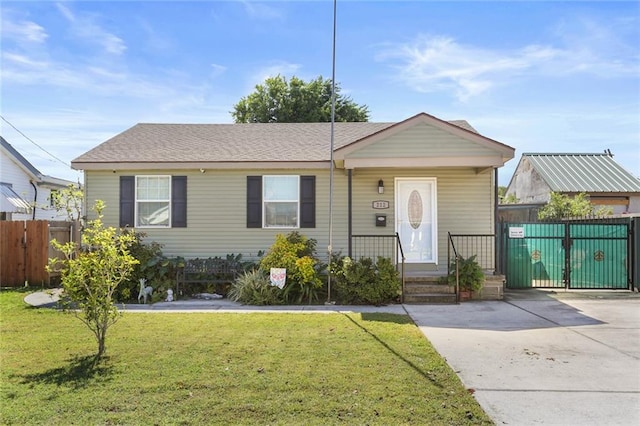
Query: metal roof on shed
x: 582, y: 173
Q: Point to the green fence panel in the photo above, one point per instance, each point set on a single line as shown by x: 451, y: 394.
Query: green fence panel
x: 598, y: 256
x: 535, y: 255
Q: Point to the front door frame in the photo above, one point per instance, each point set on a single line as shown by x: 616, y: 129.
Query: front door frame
x: 432, y: 213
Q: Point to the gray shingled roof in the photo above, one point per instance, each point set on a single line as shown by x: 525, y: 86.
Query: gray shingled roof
x: 582, y: 173
x: 268, y: 142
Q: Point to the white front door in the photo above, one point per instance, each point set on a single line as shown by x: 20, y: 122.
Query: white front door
x: 416, y: 221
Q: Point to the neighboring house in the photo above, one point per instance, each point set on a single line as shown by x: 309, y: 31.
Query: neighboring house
x: 205, y: 190
x: 597, y: 175
x: 25, y: 193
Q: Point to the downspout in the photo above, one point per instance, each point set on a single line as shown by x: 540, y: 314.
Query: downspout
x: 350, y: 211
x: 35, y: 200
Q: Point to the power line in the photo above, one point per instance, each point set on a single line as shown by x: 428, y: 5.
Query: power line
x: 31, y: 140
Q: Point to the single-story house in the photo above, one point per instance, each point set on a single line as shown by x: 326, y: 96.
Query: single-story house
x: 205, y: 190
x: 25, y: 193
x: 598, y: 175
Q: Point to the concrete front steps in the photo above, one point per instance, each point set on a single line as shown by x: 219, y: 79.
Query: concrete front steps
x: 425, y: 290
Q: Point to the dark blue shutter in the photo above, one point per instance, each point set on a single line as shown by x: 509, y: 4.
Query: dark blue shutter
x: 179, y: 202
x: 254, y: 201
x: 127, y: 201
x: 307, y: 201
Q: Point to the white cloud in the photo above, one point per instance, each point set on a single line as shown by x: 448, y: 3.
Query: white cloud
x: 258, y: 10
x: 217, y: 70
x: 22, y: 61
x: 431, y: 64
x: 22, y: 31
x: 440, y: 63
x: 85, y: 29
x: 595, y: 48
x: 283, y: 68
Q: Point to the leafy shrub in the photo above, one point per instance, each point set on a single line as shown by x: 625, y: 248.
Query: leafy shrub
x: 158, y: 270
x: 471, y: 276
x: 365, y: 282
x: 253, y: 288
x: 296, y: 253
x: 561, y: 206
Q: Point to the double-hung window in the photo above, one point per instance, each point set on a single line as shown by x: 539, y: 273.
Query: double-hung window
x: 153, y: 201
x: 281, y: 201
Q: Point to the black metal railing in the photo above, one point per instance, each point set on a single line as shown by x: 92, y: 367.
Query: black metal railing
x: 463, y: 246
x: 375, y: 246
x: 483, y: 246
x: 451, y: 250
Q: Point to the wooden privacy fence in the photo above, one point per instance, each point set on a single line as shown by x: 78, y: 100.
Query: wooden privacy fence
x: 25, y: 250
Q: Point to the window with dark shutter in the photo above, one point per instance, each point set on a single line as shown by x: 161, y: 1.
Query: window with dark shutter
x: 179, y: 202
x: 127, y: 201
x: 307, y: 201
x: 254, y: 201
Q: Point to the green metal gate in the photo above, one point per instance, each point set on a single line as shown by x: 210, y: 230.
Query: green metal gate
x: 567, y: 255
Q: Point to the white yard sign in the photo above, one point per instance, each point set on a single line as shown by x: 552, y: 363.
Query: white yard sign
x: 278, y: 277
x: 516, y: 232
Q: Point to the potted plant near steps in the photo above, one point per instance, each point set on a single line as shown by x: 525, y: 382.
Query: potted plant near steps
x: 471, y: 276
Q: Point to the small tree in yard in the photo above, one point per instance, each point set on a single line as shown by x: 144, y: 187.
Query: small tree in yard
x: 91, y: 273
x: 69, y: 200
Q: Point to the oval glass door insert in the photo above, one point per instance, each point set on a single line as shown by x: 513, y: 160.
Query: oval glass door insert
x: 415, y: 209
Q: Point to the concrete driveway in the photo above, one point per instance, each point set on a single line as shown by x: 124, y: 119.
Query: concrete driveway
x: 543, y: 357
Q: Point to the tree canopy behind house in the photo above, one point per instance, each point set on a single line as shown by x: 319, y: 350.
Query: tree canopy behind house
x: 279, y: 100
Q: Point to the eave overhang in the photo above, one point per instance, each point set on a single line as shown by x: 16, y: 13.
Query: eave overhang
x: 205, y: 165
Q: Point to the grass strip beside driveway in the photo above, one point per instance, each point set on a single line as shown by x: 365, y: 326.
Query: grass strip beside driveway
x: 225, y: 368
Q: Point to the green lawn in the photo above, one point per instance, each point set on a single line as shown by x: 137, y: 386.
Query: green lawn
x: 225, y: 368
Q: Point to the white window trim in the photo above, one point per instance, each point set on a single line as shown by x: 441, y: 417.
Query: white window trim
x: 297, y: 201
x: 136, y: 201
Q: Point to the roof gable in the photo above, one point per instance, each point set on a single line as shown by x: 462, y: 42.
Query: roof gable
x: 459, y: 131
x: 425, y: 141
x: 22, y: 162
x: 581, y: 172
x: 420, y: 140
x: 30, y: 170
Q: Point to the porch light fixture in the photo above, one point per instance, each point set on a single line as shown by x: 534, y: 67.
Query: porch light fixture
x: 380, y: 187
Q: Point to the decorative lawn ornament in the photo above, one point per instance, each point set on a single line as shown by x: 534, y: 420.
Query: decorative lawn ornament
x: 169, y: 296
x: 145, y: 291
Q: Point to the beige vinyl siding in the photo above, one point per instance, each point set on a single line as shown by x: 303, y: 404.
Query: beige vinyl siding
x: 422, y: 140
x: 216, y: 212
x: 464, y: 202
x: 216, y: 208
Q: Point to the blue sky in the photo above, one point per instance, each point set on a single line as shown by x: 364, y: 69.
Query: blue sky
x: 539, y: 76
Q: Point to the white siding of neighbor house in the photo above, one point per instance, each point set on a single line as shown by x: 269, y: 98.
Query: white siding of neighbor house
x: 216, y: 208
x: 422, y: 140
x: 11, y: 173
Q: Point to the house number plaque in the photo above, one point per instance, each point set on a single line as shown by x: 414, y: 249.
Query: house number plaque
x: 380, y: 204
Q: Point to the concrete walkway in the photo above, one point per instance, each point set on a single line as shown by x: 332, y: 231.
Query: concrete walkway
x: 539, y: 357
